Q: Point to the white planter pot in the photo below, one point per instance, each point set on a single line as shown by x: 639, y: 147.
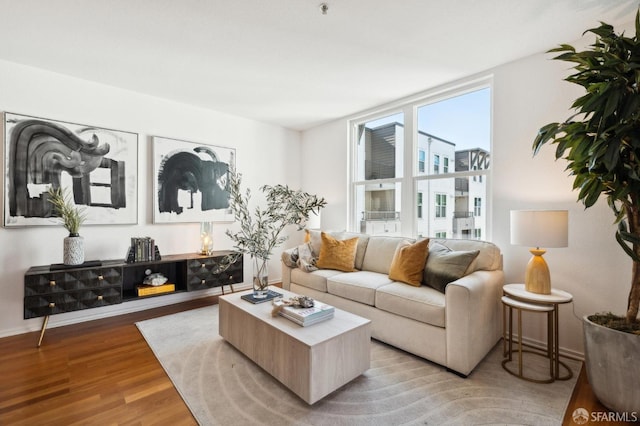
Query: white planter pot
x: 612, y: 359
x: 73, y: 253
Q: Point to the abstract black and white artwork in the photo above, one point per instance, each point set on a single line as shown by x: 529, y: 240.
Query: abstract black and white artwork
x: 191, y: 181
x: 97, y: 167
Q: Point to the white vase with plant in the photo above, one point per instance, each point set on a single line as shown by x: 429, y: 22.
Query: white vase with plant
x: 71, y: 217
x: 261, y: 228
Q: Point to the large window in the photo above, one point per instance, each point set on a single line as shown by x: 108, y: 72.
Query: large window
x: 379, y: 153
x: 435, y: 165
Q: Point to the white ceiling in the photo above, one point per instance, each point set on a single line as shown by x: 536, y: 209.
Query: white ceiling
x: 283, y: 61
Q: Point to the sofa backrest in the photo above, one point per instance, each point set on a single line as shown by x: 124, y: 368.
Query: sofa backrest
x: 375, y: 253
x: 379, y: 254
x: 380, y: 250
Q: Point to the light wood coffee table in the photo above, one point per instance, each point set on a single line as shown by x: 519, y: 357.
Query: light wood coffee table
x: 311, y: 361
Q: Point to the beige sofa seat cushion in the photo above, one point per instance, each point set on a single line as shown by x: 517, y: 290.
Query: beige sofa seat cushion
x: 316, y: 280
x: 358, y: 286
x: 379, y: 254
x: 423, y: 304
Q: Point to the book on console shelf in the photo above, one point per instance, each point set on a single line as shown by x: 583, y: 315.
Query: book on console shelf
x: 148, y: 290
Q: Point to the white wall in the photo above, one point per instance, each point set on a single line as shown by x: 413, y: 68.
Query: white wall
x: 526, y: 95
x: 266, y: 154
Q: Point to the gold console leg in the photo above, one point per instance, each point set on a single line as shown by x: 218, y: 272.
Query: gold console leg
x: 44, y: 327
x: 230, y: 285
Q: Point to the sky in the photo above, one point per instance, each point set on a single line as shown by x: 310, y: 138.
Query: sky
x: 464, y: 120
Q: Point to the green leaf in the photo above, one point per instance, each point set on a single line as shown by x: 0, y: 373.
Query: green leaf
x: 612, y: 155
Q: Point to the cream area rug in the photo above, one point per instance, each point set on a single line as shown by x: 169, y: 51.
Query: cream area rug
x: 223, y: 387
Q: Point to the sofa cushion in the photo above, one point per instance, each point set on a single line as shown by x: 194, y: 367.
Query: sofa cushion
x: 315, y: 239
x: 337, y: 254
x: 358, y: 286
x: 423, y: 304
x: 379, y: 254
x: 316, y: 280
x: 489, y: 258
x: 408, y: 262
x: 445, y: 265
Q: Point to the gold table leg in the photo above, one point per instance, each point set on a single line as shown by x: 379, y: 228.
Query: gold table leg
x: 44, y: 327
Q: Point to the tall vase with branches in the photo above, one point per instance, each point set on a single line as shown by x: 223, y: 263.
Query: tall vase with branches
x: 261, y: 228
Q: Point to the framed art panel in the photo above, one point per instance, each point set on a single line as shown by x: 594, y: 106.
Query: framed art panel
x: 98, y: 167
x: 191, y: 181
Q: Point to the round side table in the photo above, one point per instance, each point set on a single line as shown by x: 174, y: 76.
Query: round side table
x: 516, y: 297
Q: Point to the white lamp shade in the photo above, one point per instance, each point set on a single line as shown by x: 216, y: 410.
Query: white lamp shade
x: 540, y: 228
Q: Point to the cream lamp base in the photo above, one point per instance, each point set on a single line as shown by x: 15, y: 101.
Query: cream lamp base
x: 537, y: 278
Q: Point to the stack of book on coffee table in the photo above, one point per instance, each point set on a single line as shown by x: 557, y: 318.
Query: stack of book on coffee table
x: 307, y: 316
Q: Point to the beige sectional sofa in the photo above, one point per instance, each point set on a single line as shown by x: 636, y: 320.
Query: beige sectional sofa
x: 456, y: 328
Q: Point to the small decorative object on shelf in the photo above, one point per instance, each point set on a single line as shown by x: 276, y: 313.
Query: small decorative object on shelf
x: 154, y: 278
x: 71, y: 217
x: 206, y: 238
x: 142, y: 249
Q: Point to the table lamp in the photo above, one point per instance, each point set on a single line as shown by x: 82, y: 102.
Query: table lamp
x: 539, y: 228
x: 206, y: 238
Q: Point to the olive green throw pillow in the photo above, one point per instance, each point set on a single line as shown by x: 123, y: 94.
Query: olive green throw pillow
x: 445, y: 265
x: 408, y: 262
x: 337, y: 254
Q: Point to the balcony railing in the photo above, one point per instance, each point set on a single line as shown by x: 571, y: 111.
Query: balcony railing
x: 380, y: 215
x: 460, y: 215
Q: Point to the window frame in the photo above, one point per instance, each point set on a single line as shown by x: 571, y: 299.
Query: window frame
x: 411, y: 175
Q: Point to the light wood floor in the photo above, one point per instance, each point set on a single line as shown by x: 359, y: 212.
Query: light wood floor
x: 102, y: 372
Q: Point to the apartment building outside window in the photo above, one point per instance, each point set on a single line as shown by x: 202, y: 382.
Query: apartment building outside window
x: 441, y: 205
x: 429, y: 165
x: 421, y: 161
x: 477, y: 206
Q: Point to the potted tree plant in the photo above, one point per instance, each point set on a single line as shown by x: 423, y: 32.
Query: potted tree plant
x: 601, y: 143
x: 261, y: 231
x: 72, y: 218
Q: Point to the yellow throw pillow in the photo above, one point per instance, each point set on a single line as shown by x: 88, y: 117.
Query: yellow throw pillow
x: 337, y: 254
x: 408, y: 262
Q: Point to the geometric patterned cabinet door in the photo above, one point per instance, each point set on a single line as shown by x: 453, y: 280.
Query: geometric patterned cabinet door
x: 52, y: 292
x: 203, y: 273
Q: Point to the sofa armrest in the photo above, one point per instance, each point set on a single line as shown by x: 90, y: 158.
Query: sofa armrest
x: 472, y: 318
x: 288, y: 264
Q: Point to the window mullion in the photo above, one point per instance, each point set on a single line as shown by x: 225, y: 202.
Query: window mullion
x: 410, y: 158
